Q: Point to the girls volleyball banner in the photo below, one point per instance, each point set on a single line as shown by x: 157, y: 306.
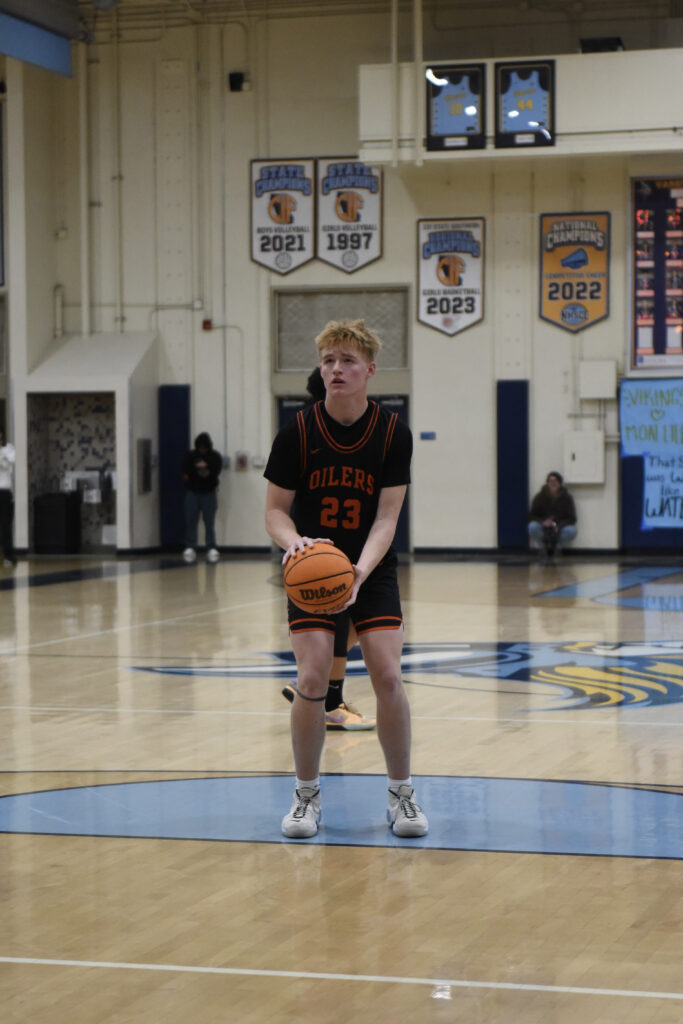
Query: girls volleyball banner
x: 349, y: 213
x: 282, y: 213
x: 451, y: 273
x: 574, y: 292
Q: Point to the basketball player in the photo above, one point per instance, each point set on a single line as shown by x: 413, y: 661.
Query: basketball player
x: 345, y: 466
x: 339, y: 714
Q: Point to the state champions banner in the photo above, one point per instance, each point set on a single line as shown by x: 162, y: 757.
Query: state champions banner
x: 282, y: 213
x: 451, y: 273
x: 349, y: 213
x: 574, y: 289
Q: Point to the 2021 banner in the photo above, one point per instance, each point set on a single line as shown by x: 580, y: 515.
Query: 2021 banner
x: 574, y: 266
x: 451, y: 273
x: 282, y: 213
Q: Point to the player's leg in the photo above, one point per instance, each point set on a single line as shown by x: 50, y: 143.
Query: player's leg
x: 339, y: 714
x: 382, y: 653
x: 191, y: 521
x: 313, y: 650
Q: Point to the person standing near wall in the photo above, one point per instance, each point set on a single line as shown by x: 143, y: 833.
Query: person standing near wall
x: 201, y: 468
x: 7, y: 459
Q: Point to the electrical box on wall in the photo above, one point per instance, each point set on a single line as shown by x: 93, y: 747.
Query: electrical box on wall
x: 584, y: 457
x: 597, y: 378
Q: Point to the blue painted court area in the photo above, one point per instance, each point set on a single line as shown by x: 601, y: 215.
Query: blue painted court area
x: 507, y: 815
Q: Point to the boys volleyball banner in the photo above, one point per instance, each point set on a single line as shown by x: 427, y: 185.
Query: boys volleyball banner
x: 451, y: 273
x: 282, y: 213
x: 574, y: 292
x: 349, y: 213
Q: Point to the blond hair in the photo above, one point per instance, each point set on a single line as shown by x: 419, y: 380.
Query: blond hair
x: 349, y: 334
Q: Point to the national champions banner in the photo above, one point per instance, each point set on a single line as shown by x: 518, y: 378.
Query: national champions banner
x: 574, y: 291
x: 349, y: 213
x: 451, y: 273
x: 282, y: 213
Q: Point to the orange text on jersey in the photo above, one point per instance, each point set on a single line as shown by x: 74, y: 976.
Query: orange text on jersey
x: 344, y: 476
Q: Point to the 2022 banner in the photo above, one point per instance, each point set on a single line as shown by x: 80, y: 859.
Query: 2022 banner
x: 574, y: 266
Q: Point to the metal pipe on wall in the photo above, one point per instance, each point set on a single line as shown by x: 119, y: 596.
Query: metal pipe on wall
x: 84, y: 185
x: 395, y: 94
x: 419, y: 80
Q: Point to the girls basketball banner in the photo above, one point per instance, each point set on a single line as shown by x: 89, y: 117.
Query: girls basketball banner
x: 451, y: 273
x: 349, y: 213
x: 574, y: 292
x: 282, y: 213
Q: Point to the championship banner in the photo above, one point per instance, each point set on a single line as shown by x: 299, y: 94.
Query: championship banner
x: 349, y: 213
x: 574, y: 292
x: 451, y: 273
x: 282, y: 213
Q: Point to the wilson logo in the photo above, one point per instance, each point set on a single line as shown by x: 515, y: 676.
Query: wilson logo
x: 321, y: 593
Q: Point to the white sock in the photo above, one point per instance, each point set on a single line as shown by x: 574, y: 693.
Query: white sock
x: 395, y: 783
x: 313, y: 784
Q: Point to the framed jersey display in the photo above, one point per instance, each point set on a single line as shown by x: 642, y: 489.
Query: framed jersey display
x: 456, y: 106
x: 282, y: 213
x: 349, y: 213
x: 657, y: 273
x: 451, y: 273
x: 525, y: 103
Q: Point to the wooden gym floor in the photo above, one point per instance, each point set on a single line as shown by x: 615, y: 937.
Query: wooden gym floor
x: 145, y: 766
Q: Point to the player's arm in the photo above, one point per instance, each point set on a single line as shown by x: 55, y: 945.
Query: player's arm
x: 280, y: 526
x: 380, y: 536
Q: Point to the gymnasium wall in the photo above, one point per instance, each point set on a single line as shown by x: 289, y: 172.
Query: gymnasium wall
x: 166, y: 247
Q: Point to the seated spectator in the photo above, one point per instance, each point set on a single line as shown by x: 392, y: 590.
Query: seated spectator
x: 552, y: 517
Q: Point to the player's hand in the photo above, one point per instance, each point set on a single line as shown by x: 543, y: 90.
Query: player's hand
x: 351, y: 599
x: 300, y: 544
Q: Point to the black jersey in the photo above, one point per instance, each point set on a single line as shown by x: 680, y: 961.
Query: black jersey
x: 338, y: 472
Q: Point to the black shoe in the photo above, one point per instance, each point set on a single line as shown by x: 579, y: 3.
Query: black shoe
x: 289, y: 692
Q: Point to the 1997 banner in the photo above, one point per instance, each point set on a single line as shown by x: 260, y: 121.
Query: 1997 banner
x: 451, y: 273
x: 282, y: 213
x: 349, y: 213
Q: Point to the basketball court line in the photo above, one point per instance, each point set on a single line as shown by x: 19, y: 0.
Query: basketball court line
x: 523, y: 717
x: 435, y: 983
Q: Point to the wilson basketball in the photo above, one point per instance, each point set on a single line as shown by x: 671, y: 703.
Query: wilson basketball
x: 318, y: 578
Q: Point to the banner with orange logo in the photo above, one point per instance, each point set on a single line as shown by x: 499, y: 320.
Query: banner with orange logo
x: 574, y: 291
x: 282, y: 213
x: 349, y: 213
x: 451, y: 273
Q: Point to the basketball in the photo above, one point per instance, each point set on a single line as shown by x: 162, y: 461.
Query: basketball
x: 318, y: 578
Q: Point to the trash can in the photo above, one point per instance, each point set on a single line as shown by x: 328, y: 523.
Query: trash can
x: 57, y: 523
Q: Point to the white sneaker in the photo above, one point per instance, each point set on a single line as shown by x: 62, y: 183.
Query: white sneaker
x: 302, y: 820
x: 404, y: 814
x: 190, y: 555
x: 212, y: 555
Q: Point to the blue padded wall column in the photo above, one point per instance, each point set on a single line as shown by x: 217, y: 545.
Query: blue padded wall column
x: 513, y: 462
x: 174, y: 441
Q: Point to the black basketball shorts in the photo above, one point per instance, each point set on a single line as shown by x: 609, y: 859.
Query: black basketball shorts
x: 378, y: 606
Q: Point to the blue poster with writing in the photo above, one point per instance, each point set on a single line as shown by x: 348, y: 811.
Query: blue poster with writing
x: 651, y: 426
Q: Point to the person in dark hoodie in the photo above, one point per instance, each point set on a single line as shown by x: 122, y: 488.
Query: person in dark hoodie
x: 552, y: 516
x: 201, y: 469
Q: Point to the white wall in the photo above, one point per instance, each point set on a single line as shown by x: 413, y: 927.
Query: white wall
x: 169, y: 150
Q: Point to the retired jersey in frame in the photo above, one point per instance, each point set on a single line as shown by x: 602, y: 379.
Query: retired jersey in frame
x: 574, y: 291
x: 349, y: 213
x: 282, y: 213
x: 451, y: 273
